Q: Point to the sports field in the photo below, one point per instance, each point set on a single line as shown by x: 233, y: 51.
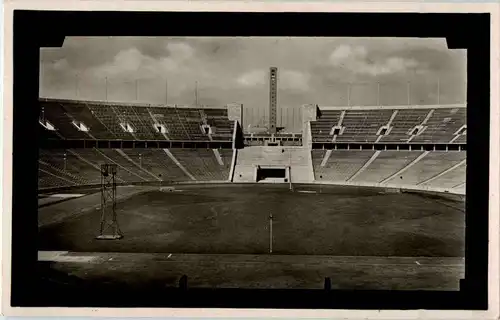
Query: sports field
x: 219, y: 234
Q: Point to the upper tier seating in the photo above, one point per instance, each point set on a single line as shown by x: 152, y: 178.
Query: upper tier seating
x: 439, y: 125
x: 130, y: 122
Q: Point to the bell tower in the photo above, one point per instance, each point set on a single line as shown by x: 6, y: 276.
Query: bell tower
x: 273, y: 96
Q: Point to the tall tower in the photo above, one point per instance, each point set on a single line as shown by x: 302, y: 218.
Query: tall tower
x: 273, y: 96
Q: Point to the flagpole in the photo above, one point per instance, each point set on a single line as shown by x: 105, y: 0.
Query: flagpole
x: 136, y: 90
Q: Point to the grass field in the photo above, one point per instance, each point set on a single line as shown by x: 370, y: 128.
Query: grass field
x: 330, y: 220
x: 218, y: 235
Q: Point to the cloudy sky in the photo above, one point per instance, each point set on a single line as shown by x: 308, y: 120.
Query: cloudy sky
x: 227, y: 70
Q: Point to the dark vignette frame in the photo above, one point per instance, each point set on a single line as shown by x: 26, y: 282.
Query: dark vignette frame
x: 35, y: 29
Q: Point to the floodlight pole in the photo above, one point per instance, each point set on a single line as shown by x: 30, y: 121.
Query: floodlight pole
x: 166, y: 91
x: 409, y: 92
x: 136, y: 90
x: 196, y: 93
x: 349, y: 94
x: 106, y: 88
x: 378, y: 94
x: 438, y: 91
x: 110, y: 230
x: 76, y: 85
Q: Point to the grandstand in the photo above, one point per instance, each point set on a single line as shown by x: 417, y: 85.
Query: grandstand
x: 402, y: 147
x: 358, y: 186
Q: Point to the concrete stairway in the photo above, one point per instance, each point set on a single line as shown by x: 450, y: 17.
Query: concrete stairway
x: 298, y: 158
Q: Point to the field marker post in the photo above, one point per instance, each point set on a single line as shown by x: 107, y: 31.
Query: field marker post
x: 271, y: 233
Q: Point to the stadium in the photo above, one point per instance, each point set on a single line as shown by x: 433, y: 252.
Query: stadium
x: 358, y: 197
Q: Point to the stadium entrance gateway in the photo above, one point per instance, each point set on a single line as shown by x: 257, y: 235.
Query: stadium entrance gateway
x: 272, y: 174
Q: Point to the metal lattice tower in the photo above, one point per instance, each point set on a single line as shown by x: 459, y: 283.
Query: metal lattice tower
x: 110, y: 230
x: 273, y: 96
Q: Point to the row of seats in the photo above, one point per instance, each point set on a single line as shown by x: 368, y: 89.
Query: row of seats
x: 146, y: 122
x: 61, y: 168
x: 58, y: 168
x: 429, y: 169
x: 440, y: 124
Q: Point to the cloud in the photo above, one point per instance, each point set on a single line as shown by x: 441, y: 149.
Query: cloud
x: 252, y: 78
x: 293, y: 80
x: 346, y: 53
x: 133, y: 64
x: 389, y: 66
x: 355, y: 59
x: 180, y: 50
x: 237, y: 69
x: 126, y: 61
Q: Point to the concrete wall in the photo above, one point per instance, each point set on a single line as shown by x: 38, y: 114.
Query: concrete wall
x: 298, y: 158
x: 309, y: 113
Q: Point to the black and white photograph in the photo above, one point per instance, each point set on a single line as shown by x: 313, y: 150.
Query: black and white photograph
x: 170, y: 167
x: 349, y: 191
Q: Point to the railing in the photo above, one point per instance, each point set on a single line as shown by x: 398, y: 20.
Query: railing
x: 133, y: 144
x: 390, y: 146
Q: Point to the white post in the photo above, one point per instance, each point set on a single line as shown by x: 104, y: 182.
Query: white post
x: 271, y: 233
x: 290, y: 169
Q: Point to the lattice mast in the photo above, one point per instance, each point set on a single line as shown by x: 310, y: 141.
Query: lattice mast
x: 273, y: 97
x: 110, y: 229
